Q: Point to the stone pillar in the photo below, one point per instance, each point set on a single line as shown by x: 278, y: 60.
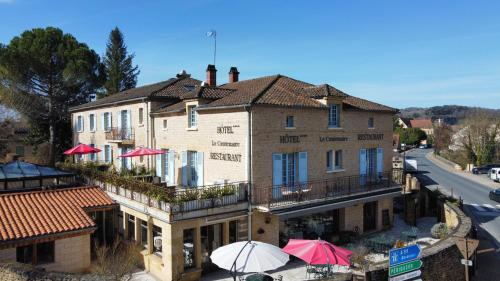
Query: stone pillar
x: 225, y: 233
x: 125, y: 226
x: 197, y: 247
x: 150, y: 236
x: 137, y: 232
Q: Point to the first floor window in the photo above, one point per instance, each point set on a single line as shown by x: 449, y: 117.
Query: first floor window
x: 92, y: 155
x: 92, y: 122
x: 79, y: 123
x: 334, y: 160
x: 288, y: 172
x: 164, y: 124
x: 107, y: 154
x: 107, y: 121
x: 192, y: 162
x: 141, y: 115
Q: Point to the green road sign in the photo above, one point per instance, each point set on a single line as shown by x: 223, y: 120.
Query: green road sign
x: 405, y: 267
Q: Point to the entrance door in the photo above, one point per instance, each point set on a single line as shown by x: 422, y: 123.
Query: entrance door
x: 369, y: 216
x: 211, y: 239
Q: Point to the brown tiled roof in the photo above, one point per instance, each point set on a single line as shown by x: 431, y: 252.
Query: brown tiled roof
x: 177, y: 89
x: 176, y: 107
x: 367, y: 105
x: 324, y: 90
x: 421, y: 123
x: 33, y: 214
x: 171, y: 88
x: 207, y: 93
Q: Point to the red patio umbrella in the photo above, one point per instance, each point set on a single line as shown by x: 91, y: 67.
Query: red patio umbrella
x: 316, y: 252
x: 82, y: 149
x: 142, y: 151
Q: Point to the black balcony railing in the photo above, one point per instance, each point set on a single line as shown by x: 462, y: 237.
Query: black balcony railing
x: 120, y: 134
x: 283, y: 196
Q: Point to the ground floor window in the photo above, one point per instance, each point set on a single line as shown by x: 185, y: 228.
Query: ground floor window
x: 131, y: 227
x: 189, y: 250
x: 36, y: 254
x: 325, y: 225
x: 369, y: 216
x: 211, y: 239
x: 144, y: 233
x: 157, y: 233
x: 233, y: 231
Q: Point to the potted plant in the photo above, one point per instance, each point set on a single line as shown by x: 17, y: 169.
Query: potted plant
x: 228, y: 194
x: 208, y: 195
x: 189, y: 199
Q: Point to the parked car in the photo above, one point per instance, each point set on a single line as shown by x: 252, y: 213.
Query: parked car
x: 423, y: 146
x: 484, y: 169
x: 495, y: 195
x: 495, y: 174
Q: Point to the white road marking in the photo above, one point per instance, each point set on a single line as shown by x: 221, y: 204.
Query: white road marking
x: 479, y: 208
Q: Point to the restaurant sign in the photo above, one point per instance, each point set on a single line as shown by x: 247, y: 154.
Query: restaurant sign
x: 225, y: 157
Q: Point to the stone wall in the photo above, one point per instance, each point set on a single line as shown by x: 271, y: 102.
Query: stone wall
x: 441, y: 261
x: 24, y: 272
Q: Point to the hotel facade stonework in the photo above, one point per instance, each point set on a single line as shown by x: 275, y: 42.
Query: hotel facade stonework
x: 299, y: 161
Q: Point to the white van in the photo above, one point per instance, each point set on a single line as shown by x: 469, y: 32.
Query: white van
x: 495, y: 174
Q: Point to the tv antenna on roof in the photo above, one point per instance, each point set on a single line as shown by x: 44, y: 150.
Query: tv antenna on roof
x: 213, y: 33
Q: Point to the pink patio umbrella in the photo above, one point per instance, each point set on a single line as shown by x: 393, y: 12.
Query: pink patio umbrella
x: 317, y: 252
x: 81, y: 149
x: 142, y: 151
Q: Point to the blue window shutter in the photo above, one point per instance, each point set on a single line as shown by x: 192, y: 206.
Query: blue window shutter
x: 380, y: 160
x: 303, y: 167
x: 362, y: 161
x: 277, y: 174
x: 171, y: 168
x: 184, y: 168
x: 199, y: 168
x: 158, y: 165
x: 362, y: 166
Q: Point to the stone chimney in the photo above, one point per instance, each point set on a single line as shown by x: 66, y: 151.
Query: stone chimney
x: 211, y: 75
x: 233, y: 74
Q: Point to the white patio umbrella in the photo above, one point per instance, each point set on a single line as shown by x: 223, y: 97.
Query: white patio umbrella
x: 249, y: 256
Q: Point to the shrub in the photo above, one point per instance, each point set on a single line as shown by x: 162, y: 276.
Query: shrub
x: 359, y: 255
x: 439, y: 230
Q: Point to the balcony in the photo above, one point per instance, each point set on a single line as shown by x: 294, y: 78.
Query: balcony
x: 326, y: 191
x: 121, y: 135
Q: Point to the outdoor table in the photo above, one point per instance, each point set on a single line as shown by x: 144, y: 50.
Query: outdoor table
x: 259, y: 277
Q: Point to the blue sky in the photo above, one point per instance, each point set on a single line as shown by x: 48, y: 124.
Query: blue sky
x: 400, y: 53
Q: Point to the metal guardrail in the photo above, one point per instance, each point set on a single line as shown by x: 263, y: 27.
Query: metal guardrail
x: 121, y: 134
x: 282, y: 196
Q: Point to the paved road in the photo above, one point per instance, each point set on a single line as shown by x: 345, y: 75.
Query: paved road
x: 484, y: 212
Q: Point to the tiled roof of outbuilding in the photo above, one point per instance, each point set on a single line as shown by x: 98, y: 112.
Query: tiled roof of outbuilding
x: 323, y: 90
x: 33, y: 214
x: 367, y: 105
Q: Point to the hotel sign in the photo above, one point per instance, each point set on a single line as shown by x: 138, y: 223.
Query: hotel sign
x: 370, y: 136
x: 291, y: 138
x: 225, y: 130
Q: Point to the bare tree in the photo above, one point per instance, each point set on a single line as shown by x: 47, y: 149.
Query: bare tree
x: 118, y: 260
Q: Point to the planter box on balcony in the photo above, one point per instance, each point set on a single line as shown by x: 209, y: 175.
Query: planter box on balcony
x: 122, y: 191
x: 189, y: 205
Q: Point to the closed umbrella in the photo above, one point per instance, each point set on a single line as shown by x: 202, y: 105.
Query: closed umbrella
x: 249, y: 256
x: 318, y: 252
x: 82, y: 149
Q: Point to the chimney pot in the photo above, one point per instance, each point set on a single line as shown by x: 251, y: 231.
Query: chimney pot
x: 211, y: 75
x: 233, y: 74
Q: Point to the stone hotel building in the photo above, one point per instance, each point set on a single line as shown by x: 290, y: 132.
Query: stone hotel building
x: 302, y: 161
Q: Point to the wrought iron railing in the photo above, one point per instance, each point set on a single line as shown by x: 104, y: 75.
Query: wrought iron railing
x: 116, y: 133
x: 282, y: 196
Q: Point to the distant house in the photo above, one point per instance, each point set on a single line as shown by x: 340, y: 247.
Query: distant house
x: 14, y: 147
x: 423, y: 124
x: 404, y: 122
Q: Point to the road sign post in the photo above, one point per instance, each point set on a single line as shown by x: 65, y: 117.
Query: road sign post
x: 405, y: 267
x: 404, y: 263
x: 401, y: 255
x: 467, y: 247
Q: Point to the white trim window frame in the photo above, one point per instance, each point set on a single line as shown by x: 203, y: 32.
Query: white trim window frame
x: 192, y: 117
x: 334, y: 160
x: 79, y: 123
x: 290, y: 122
x: 107, y: 121
x: 92, y: 122
x: 141, y: 116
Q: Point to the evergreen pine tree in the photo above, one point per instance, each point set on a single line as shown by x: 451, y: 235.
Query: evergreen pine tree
x: 120, y: 73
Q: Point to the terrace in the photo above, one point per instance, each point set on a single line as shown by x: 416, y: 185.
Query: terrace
x: 121, y: 135
x: 326, y: 191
